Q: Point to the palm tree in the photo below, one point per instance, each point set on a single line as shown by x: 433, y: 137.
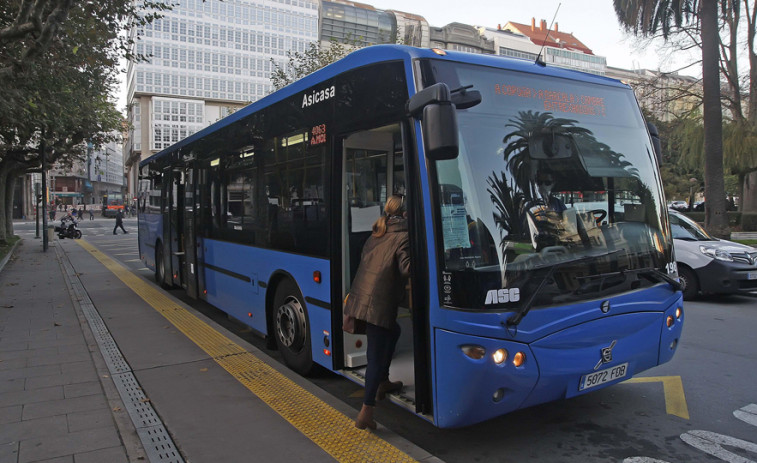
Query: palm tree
x: 647, y: 17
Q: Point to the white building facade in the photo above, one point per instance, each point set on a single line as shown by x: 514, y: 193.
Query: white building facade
x: 205, y: 60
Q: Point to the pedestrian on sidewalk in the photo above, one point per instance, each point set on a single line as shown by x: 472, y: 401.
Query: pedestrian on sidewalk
x: 375, y: 296
x: 91, y: 214
x: 119, y: 222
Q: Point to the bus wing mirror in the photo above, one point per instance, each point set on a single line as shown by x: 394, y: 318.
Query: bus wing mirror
x: 433, y: 106
x: 655, y: 135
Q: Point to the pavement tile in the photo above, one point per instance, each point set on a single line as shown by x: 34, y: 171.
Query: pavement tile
x: 30, y: 429
x: 59, y: 358
x: 29, y: 353
x: 82, y: 389
x: 60, y: 379
x: 31, y: 396
x: 10, y: 414
x: 64, y: 406
x: 11, y: 385
x: 9, y: 452
x: 13, y: 364
x: 35, y: 449
x: 11, y: 346
x: 80, y: 421
x: 67, y: 341
x: 110, y: 455
x: 65, y: 459
x: 78, y: 367
x: 29, y: 372
x: 75, y: 349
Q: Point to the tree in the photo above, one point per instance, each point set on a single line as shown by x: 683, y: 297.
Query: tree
x: 646, y: 17
x: 301, y: 64
x: 58, y: 63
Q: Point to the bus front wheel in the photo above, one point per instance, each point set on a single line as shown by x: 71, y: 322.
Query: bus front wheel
x: 291, y: 328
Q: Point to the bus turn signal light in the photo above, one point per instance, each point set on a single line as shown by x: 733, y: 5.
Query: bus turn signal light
x: 499, y: 356
x: 317, y: 276
x: 669, y: 321
x: 519, y: 359
x: 679, y: 312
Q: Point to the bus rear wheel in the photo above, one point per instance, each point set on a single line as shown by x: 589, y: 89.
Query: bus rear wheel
x: 160, y: 267
x: 291, y: 328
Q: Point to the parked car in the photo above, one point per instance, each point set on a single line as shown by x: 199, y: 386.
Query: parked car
x: 679, y: 205
x: 709, y: 265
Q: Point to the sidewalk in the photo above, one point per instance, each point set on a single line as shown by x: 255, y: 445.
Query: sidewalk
x: 55, y: 400
x: 61, y: 398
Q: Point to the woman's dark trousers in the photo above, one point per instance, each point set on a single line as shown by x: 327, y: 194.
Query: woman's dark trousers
x: 381, y: 344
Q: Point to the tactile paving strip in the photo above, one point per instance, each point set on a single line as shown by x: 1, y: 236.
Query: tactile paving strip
x: 157, y: 443
x: 331, y: 430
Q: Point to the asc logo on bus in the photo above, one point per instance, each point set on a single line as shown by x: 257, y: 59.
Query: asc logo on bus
x: 501, y: 296
x: 318, y: 96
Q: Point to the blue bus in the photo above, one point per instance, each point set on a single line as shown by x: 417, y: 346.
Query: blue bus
x: 542, y: 258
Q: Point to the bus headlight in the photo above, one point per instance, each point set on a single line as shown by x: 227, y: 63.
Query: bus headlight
x: 499, y: 356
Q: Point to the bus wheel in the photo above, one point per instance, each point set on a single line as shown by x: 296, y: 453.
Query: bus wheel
x: 291, y: 328
x: 689, y: 282
x: 160, y: 267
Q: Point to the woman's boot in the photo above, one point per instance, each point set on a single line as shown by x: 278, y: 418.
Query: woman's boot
x: 365, y: 418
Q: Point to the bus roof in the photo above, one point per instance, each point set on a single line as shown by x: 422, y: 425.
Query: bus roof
x: 377, y: 54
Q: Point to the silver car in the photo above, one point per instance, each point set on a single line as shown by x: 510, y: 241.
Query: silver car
x: 709, y: 265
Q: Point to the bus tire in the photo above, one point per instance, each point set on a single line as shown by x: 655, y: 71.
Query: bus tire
x: 689, y: 282
x: 160, y: 267
x: 292, y: 328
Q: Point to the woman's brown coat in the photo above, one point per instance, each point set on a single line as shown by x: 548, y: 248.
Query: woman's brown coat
x: 379, y: 283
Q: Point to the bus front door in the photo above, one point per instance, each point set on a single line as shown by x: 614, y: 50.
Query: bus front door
x: 372, y: 170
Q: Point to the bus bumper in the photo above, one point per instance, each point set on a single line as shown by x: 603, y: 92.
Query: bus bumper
x: 557, y: 366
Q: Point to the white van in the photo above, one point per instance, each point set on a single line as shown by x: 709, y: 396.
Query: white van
x: 710, y: 265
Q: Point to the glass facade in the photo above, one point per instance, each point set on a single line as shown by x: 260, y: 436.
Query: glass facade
x: 359, y: 26
x: 210, y: 50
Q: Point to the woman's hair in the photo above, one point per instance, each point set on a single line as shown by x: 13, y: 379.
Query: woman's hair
x: 394, y: 207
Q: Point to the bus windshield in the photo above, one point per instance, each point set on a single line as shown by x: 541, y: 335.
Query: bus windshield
x: 552, y: 172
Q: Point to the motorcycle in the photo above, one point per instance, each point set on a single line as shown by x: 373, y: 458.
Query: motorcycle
x: 69, y: 228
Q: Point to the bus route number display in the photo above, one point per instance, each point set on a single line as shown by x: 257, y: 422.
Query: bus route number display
x: 318, y: 135
x: 556, y: 100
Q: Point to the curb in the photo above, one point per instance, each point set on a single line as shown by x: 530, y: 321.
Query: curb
x: 10, y: 254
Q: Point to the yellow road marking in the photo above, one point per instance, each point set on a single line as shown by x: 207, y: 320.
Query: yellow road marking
x: 675, y: 400
x: 331, y: 430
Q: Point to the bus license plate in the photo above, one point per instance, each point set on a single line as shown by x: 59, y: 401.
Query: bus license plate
x: 751, y: 276
x: 602, y: 376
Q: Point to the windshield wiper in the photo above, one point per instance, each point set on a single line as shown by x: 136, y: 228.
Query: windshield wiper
x: 518, y: 317
x: 658, y: 275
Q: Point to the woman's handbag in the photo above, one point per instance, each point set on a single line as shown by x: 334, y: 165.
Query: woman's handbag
x: 351, y: 324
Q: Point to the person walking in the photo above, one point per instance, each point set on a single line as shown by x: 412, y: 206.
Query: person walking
x: 374, y: 297
x: 91, y: 214
x: 119, y: 222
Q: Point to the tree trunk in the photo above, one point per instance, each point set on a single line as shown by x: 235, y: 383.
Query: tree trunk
x: 4, y: 171
x: 10, y: 185
x: 715, y: 218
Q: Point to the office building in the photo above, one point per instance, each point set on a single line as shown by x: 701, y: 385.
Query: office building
x: 206, y: 59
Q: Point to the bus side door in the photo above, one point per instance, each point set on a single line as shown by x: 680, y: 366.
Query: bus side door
x: 188, y: 240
